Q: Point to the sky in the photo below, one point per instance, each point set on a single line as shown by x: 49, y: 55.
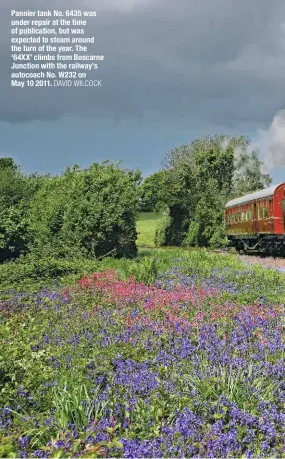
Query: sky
x: 173, y: 71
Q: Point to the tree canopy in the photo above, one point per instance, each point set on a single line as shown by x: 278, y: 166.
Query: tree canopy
x: 92, y: 212
x: 201, y: 177
x: 83, y: 212
x: 150, y: 192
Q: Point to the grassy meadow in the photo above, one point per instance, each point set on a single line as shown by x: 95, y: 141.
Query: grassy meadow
x: 177, y: 353
x: 146, y: 226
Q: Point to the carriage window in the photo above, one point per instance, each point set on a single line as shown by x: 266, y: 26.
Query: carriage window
x: 265, y: 212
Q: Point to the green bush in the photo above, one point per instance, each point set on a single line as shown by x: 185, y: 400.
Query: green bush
x: 88, y: 213
x: 13, y: 231
x: 16, y: 191
x: 162, y: 231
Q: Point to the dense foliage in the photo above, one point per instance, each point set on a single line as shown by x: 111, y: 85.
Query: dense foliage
x: 151, y: 189
x: 92, y: 212
x: 200, y: 177
x: 187, y: 361
x: 16, y: 193
x: 89, y: 212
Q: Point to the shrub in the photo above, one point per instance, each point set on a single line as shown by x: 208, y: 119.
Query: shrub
x: 162, y: 231
x: 89, y: 212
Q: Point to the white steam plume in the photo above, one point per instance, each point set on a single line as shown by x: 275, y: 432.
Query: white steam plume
x: 271, y: 142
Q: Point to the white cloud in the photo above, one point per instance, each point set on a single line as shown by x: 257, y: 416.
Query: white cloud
x: 125, y: 6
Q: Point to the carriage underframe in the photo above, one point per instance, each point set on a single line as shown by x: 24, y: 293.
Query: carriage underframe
x: 273, y: 244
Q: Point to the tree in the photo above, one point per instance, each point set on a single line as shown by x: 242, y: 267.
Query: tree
x: 151, y: 192
x: 8, y: 163
x: 13, y: 231
x: 16, y: 193
x: 87, y: 212
x: 12, y: 182
x: 202, y: 176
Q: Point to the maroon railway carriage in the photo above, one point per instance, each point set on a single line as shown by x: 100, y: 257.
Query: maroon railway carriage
x: 256, y: 221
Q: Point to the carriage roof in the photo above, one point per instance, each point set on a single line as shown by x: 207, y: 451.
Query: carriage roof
x: 261, y: 194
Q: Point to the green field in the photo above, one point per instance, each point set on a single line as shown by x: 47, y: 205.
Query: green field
x: 146, y: 226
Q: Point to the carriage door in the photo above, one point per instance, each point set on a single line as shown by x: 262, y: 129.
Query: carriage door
x: 283, y: 210
x: 254, y: 218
